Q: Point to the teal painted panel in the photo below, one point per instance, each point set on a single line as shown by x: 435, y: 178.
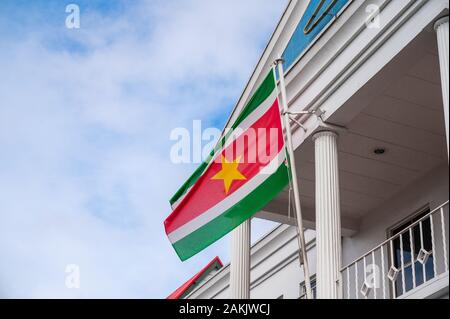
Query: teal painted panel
x: 317, y: 16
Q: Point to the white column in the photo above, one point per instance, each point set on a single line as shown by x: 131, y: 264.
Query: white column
x: 328, y: 215
x: 441, y: 27
x: 240, y: 261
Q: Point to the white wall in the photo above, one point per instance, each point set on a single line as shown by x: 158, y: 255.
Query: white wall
x: 431, y: 189
x: 275, y: 269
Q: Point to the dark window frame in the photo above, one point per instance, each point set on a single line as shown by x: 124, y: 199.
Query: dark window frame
x: 313, y: 288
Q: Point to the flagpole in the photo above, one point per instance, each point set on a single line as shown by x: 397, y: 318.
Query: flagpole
x: 290, y: 150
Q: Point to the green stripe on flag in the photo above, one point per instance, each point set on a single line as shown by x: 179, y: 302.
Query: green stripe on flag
x: 233, y: 217
x: 261, y: 94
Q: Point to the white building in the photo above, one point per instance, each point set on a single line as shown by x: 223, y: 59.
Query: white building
x: 275, y: 271
x: 372, y: 155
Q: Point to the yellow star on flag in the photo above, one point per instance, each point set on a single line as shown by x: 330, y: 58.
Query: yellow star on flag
x: 229, y: 173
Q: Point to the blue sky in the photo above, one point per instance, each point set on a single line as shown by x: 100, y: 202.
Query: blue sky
x: 85, y: 119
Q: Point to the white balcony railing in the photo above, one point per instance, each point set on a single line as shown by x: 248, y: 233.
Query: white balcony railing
x: 414, y: 256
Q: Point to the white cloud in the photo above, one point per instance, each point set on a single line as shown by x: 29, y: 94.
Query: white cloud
x: 85, y: 174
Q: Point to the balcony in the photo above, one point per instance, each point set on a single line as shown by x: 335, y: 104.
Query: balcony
x: 412, y: 263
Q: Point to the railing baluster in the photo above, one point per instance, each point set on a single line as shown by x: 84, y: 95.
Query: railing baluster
x: 376, y: 278
x: 433, y: 246
x: 394, y: 284
x: 356, y: 280
x: 444, y: 239
x: 391, y: 286
x: 365, y: 282
x: 348, y: 282
x: 402, y: 261
x: 383, y: 275
x: 413, y: 266
x: 421, y: 246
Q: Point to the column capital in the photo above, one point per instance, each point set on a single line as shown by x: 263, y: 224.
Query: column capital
x: 440, y: 21
x: 324, y: 132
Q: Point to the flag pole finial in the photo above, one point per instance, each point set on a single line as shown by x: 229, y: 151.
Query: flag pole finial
x: 278, y: 61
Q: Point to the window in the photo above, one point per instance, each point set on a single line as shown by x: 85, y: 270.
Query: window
x: 313, y: 288
x: 421, y: 240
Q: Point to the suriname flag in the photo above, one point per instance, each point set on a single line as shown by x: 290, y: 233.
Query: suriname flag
x: 242, y: 174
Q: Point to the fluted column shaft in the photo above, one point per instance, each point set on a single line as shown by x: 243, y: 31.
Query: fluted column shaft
x: 240, y: 261
x: 328, y: 215
x: 441, y: 27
